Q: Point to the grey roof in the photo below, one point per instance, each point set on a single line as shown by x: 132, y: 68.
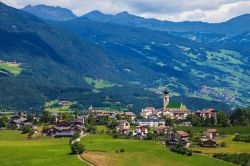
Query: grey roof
x: 151, y: 120
x: 65, y: 133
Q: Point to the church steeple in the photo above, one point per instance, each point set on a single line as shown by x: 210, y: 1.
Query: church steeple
x: 165, y: 98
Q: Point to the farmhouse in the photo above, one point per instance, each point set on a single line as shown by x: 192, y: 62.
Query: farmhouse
x: 211, y: 133
x: 123, y: 125
x: 207, y: 113
x: 180, y: 135
x: 208, y: 143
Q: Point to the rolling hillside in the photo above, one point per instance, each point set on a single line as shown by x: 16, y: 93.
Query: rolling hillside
x: 56, y: 57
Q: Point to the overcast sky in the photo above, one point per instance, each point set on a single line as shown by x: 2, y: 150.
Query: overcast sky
x: 173, y: 10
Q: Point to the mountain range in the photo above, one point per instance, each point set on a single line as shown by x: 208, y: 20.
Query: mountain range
x: 139, y: 57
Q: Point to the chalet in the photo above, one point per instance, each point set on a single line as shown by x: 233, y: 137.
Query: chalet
x: 150, y: 122
x: 103, y: 113
x: 207, y: 113
x: 208, y: 143
x: 211, y: 133
x: 17, y: 122
x: 64, y: 129
x: 180, y: 135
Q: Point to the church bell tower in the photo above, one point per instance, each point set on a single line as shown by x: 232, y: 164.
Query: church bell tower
x: 165, y: 99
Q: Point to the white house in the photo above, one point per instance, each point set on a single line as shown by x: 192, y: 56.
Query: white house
x: 151, y: 122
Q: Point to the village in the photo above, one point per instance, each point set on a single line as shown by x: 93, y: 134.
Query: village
x: 151, y: 124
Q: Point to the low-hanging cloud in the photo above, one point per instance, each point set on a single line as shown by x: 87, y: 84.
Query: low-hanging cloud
x: 173, y: 10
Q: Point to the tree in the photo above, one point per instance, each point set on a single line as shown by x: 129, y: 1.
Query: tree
x: 30, y: 133
x: 150, y: 135
x: 4, y: 122
x: 240, y: 116
x: 77, y: 148
x: 222, y: 119
x: 169, y: 122
x: 47, y: 117
x: 26, y: 129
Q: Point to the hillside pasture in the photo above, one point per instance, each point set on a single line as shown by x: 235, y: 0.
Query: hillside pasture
x: 98, y: 84
x: 102, y: 151
x: 13, y: 69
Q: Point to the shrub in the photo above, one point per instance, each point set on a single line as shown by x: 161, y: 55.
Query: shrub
x: 122, y: 150
x: 77, y: 148
x: 223, y: 144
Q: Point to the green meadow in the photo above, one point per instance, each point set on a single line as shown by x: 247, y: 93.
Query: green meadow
x: 231, y: 147
x: 17, y: 150
x: 13, y: 69
x: 50, y: 107
x: 103, y: 152
x: 99, y: 84
x: 223, y: 130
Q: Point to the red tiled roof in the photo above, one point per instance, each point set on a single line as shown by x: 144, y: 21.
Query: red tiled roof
x: 212, y: 130
x: 182, y: 133
x: 150, y: 108
x: 209, y: 110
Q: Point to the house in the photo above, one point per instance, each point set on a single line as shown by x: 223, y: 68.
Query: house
x: 150, y: 122
x: 123, y: 125
x: 130, y: 115
x: 17, y: 122
x: 211, y: 133
x: 207, y: 113
x: 146, y: 112
x: 180, y: 135
x: 141, y: 130
x: 65, y: 129
x: 208, y: 143
x: 63, y: 134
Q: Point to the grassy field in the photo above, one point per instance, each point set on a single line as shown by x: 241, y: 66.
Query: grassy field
x: 17, y: 150
x: 138, y: 153
x: 231, y: 147
x: 222, y: 130
x: 14, y: 69
x: 99, y: 84
x: 64, y: 108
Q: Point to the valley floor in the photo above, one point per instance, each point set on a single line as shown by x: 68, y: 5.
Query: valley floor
x: 17, y: 149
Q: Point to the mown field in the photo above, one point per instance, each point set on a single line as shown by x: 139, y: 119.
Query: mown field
x: 17, y: 150
x: 16, y: 70
x: 222, y: 130
x: 231, y: 147
x: 138, y: 153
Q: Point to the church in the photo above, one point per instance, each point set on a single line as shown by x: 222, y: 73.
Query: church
x: 173, y: 110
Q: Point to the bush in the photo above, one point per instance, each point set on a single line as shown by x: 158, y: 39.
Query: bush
x: 116, y: 136
x: 122, y: 150
x: 223, y: 144
x: 77, y: 148
x: 26, y: 129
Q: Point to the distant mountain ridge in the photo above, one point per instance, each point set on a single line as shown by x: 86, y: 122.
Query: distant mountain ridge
x: 50, y: 12
x: 235, y: 25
